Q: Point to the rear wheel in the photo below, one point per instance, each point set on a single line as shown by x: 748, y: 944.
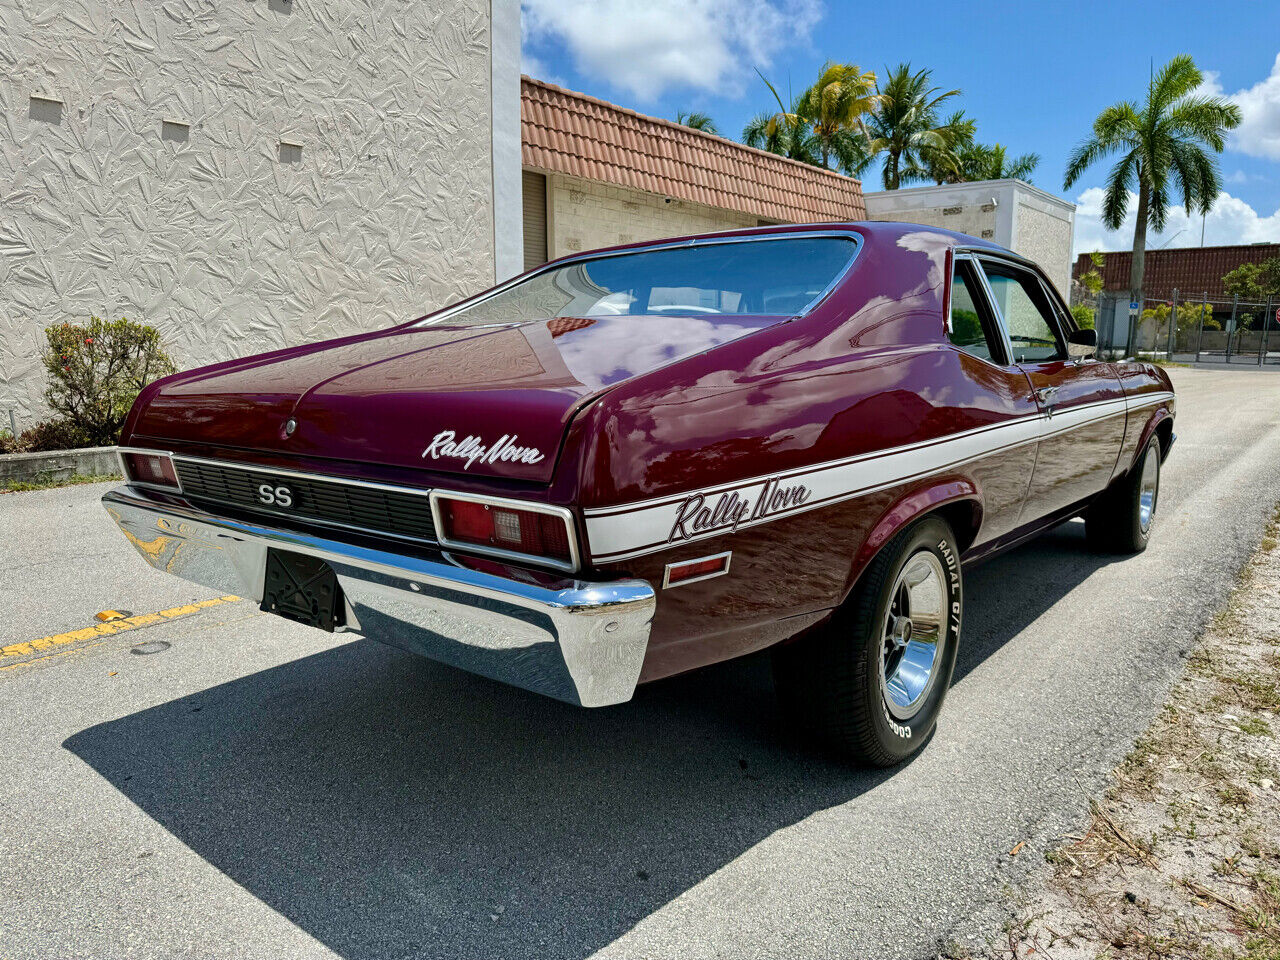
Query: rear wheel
x: 871, y: 682
x: 1121, y: 519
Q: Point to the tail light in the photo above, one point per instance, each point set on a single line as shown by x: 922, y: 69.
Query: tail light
x: 506, y: 528
x: 150, y: 469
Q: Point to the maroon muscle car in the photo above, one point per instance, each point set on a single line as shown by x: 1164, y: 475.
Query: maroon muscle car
x: 630, y: 463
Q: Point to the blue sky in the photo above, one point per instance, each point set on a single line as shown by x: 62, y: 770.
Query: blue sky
x: 1033, y: 74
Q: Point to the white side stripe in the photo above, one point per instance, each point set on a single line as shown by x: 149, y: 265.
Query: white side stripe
x: 632, y: 530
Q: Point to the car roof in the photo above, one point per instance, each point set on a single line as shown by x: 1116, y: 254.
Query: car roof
x: 874, y: 231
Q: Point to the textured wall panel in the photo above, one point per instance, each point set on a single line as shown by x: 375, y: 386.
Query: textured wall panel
x: 215, y: 240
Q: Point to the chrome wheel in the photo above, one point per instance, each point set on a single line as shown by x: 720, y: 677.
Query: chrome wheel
x: 912, y: 635
x: 1148, y: 488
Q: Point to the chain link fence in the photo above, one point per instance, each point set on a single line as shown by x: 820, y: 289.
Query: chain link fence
x: 1189, y: 328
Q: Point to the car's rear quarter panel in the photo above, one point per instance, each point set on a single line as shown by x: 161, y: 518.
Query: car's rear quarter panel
x: 865, y: 374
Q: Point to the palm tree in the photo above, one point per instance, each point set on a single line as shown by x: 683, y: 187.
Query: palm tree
x: 944, y: 163
x: 905, y: 125
x: 776, y: 134
x: 979, y: 161
x: 696, y: 121
x: 825, y: 122
x: 1163, y: 149
x: 834, y: 108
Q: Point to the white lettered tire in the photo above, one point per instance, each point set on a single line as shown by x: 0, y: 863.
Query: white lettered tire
x: 871, y: 682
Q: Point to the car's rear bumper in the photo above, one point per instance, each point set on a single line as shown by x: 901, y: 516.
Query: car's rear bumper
x: 579, y: 641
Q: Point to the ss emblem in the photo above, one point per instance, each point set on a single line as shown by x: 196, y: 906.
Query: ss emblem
x: 280, y: 496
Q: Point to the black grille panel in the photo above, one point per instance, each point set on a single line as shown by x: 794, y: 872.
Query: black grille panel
x: 327, y: 502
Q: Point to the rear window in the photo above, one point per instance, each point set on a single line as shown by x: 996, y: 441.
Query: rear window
x: 758, y: 278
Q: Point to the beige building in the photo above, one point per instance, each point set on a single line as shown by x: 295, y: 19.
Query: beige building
x: 250, y: 175
x: 1014, y: 214
x: 254, y: 175
x: 596, y: 174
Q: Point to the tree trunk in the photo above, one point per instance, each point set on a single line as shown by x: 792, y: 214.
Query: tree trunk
x: 1139, y: 240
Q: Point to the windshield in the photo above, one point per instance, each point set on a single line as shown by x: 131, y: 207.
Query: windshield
x: 773, y: 277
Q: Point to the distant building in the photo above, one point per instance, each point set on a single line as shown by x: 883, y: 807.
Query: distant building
x: 1192, y: 271
x: 1014, y: 214
x: 596, y: 175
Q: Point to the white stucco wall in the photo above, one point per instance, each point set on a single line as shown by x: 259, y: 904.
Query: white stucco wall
x: 407, y: 179
x: 1011, y: 213
x: 1043, y: 232
x: 586, y: 214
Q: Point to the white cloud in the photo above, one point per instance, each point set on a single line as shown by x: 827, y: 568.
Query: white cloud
x: 1230, y: 221
x: 649, y: 46
x: 1259, y: 132
x: 534, y: 67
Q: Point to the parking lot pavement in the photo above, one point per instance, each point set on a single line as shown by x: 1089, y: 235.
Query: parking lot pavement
x: 259, y: 789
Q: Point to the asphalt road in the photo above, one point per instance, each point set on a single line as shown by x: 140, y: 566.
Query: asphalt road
x: 263, y: 790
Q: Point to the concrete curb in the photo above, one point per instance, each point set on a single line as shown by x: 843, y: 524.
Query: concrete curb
x: 58, y: 464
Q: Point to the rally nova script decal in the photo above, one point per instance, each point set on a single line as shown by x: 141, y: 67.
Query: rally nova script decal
x: 699, y: 514
x: 471, y: 449
x: 622, y: 531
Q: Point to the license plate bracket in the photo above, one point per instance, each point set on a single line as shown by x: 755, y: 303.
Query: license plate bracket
x: 302, y: 588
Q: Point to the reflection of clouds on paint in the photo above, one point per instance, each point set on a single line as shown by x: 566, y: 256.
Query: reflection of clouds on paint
x: 617, y: 349
x: 933, y: 245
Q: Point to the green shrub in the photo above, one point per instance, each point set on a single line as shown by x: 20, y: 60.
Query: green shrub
x: 56, y: 434
x: 1085, y: 318
x: 96, y: 372
x: 53, y: 435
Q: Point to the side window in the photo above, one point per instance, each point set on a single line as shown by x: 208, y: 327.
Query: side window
x: 1029, y: 317
x: 970, y: 326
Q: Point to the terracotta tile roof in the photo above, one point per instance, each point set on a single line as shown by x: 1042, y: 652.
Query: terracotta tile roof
x: 574, y: 134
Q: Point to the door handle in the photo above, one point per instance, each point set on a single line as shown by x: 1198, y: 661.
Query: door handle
x: 1047, y: 397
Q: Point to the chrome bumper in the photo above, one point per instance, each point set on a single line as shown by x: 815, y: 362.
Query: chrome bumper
x: 577, y: 641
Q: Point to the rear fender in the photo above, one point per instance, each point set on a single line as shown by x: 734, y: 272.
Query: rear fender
x: 958, y: 498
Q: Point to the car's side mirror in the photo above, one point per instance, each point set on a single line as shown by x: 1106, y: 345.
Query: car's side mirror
x: 1082, y: 343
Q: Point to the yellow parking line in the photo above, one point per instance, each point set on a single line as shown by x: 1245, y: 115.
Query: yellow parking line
x: 108, y: 628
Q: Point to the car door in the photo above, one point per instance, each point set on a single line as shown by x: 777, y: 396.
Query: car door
x: 1081, y: 401
x: 993, y: 384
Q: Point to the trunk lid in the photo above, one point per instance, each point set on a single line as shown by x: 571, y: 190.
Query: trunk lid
x: 485, y: 401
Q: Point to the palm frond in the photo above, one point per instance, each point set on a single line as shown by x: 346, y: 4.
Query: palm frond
x: 1204, y: 118
x: 1115, y: 203
x: 1085, y: 154
x: 1177, y: 78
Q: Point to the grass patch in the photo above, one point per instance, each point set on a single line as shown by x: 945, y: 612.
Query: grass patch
x: 48, y: 482
x: 1255, y: 727
x: 1180, y: 861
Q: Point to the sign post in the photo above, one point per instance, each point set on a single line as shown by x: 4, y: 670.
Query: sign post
x: 1266, y: 332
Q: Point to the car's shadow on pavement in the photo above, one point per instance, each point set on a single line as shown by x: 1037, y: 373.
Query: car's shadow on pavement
x: 393, y: 807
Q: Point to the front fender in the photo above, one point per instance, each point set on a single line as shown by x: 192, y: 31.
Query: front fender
x: 1160, y: 415
x: 940, y: 494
